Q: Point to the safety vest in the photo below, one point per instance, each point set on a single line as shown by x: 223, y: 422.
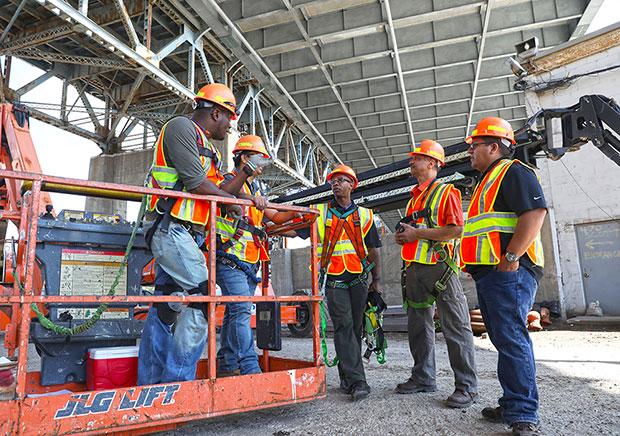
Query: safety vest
x: 164, y: 176
x: 247, y: 247
x: 481, y: 237
x: 344, y: 257
x: 434, y: 197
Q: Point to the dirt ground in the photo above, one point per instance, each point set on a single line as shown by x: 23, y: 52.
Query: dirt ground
x: 578, y: 381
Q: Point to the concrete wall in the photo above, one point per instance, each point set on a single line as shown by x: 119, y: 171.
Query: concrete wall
x: 582, y: 187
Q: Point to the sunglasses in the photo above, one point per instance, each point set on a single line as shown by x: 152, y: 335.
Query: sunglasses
x: 339, y: 181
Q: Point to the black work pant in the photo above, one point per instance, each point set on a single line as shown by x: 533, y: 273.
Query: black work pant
x: 346, y: 309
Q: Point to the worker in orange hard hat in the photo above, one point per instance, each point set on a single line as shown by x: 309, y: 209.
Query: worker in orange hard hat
x: 219, y: 94
x: 241, y: 246
x: 430, y: 148
x: 428, y: 235
x: 184, y: 160
x: 348, y: 250
x: 490, y: 130
x: 502, y: 251
x: 344, y: 170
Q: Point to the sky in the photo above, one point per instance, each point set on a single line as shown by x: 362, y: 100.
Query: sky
x: 64, y: 154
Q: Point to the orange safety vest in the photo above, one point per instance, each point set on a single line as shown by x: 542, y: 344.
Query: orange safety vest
x: 247, y: 247
x: 481, y: 236
x: 164, y: 176
x: 344, y: 256
x: 434, y: 197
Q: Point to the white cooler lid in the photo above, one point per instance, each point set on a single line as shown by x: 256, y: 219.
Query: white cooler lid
x: 113, y: 352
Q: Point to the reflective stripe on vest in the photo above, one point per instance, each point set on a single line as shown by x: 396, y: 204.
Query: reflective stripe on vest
x: 165, y: 177
x: 245, y: 248
x: 344, y: 258
x: 421, y: 250
x: 481, y: 243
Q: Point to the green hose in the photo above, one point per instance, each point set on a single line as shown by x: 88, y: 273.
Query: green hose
x: 90, y: 322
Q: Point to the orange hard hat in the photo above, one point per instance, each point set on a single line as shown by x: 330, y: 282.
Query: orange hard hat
x: 251, y: 143
x: 219, y: 94
x: 494, y: 127
x: 430, y: 148
x: 346, y: 170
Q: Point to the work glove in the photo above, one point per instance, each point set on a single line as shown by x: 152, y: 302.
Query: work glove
x: 234, y: 211
x: 256, y: 162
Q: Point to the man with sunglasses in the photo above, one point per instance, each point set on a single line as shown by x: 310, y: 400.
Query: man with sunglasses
x: 184, y: 160
x: 431, y: 279
x: 501, y: 249
x: 348, y: 250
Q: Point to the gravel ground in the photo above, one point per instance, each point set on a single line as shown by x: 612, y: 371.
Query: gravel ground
x: 578, y: 381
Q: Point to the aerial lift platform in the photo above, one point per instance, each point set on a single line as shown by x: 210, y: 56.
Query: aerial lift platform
x: 54, y: 399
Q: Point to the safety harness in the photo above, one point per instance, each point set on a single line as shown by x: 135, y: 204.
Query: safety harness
x: 164, y: 204
x: 245, y: 225
x: 442, y: 256
x: 259, y: 236
x: 373, y: 318
x: 373, y: 334
x: 332, y: 236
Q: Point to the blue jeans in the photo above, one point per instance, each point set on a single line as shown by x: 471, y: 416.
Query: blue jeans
x: 236, y: 339
x: 167, y: 352
x: 505, y: 298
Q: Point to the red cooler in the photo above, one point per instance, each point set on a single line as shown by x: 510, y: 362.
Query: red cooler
x: 112, y: 367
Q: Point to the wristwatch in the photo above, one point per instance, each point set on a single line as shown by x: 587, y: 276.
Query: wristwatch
x: 511, y: 257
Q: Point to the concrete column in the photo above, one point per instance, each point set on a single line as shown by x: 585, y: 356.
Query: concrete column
x: 126, y: 168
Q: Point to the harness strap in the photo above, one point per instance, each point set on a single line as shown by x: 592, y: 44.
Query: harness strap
x: 163, y: 208
x: 257, y: 233
x: 205, y: 151
x: 329, y: 363
x: 260, y: 238
x: 235, y: 262
x: 354, y: 233
x: 331, y: 238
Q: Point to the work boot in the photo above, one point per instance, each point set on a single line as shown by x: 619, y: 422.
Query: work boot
x: 493, y: 414
x: 411, y: 387
x: 344, y: 387
x: 227, y: 373
x: 461, y: 399
x: 524, y: 429
x: 359, y: 390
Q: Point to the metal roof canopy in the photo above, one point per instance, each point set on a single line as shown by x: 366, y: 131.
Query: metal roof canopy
x: 353, y: 80
x: 338, y: 59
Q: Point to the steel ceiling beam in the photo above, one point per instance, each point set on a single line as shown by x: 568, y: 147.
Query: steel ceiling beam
x: 429, y: 88
x: 12, y: 21
x: 127, y: 24
x: 92, y: 61
x: 483, y: 36
x: 96, y: 32
x: 48, y: 119
x: 370, y: 29
x: 417, y: 106
x: 399, y: 70
x: 422, y: 106
x: 442, y: 129
x: 406, y: 73
x: 328, y: 77
x: 242, y: 48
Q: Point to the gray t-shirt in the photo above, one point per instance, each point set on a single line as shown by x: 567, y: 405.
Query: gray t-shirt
x: 181, y: 152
